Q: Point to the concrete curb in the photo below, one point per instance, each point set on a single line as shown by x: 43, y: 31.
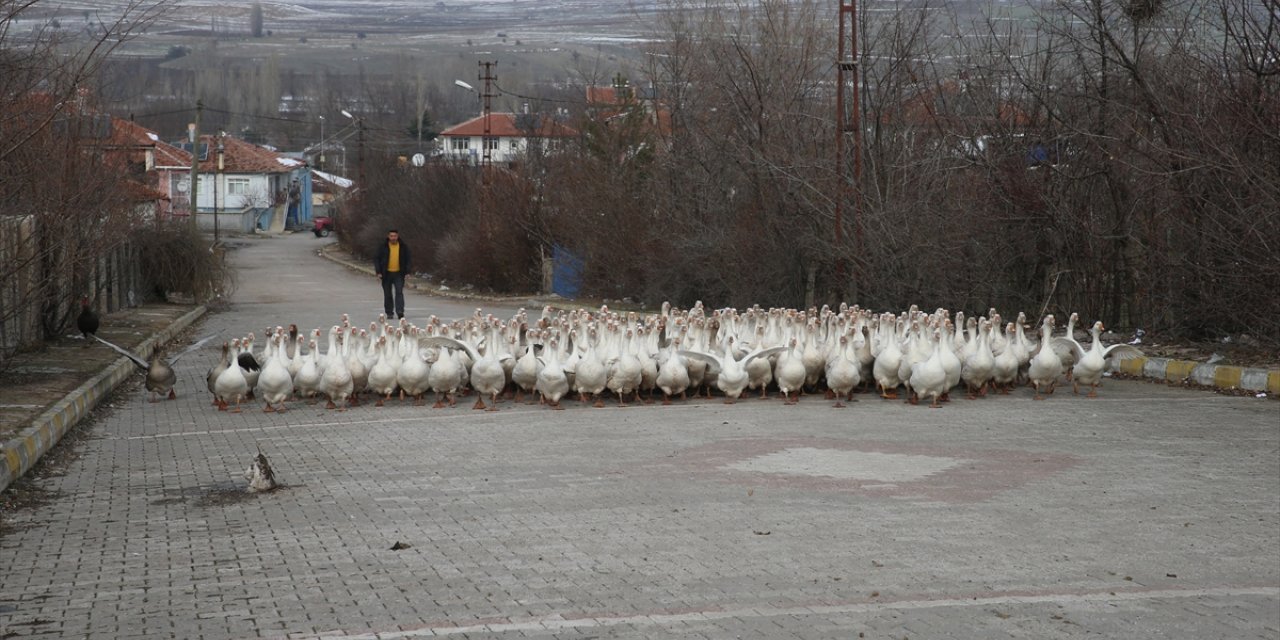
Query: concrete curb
x: 22, y: 452
x: 1211, y: 375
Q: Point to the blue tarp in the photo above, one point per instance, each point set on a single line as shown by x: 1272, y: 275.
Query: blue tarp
x: 566, y: 272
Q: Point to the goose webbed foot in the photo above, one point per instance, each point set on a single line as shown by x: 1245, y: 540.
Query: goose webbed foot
x: 479, y: 405
x: 172, y: 395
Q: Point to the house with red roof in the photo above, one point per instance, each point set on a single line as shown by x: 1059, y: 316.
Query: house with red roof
x: 149, y: 161
x: 242, y: 186
x: 507, y: 136
x: 638, y: 107
x: 960, y: 117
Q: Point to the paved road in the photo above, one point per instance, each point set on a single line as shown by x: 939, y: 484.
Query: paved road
x: 1148, y: 513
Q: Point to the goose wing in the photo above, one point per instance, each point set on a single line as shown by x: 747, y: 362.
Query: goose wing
x: 1063, y: 346
x: 1122, y: 351
x: 762, y: 353
x: 442, y: 341
x: 142, y: 364
x: 711, y: 359
x: 192, y: 347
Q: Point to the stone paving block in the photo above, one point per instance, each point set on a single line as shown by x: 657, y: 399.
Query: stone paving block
x: 642, y: 522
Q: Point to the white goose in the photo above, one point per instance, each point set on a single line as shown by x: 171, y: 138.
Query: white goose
x: 382, y: 376
x: 1046, y: 366
x: 732, y: 373
x: 673, y: 375
x: 791, y: 372
x: 1005, y: 371
x: 551, y: 380
x: 487, y: 376
x: 887, y: 361
x: 950, y: 362
x: 336, y: 382
x: 591, y: 375
x: 352, y: 349
x: 448, y: 371
x: 231, y: 385
x: 979, y: 364
x: 525, y: 372
x: 648, y: 363
x: 929, y: 377
x: 413, y: 371
x: 1090, y: 364
x: 760, y: 370
x: 842, y: 371
x: 274, y: 382
x: 627, y: 373
x: 307, y: 382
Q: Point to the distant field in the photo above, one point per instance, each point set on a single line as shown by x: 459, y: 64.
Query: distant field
x: 538, y: 38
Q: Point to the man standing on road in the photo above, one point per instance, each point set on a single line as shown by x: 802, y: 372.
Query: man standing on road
x: 391, y: 264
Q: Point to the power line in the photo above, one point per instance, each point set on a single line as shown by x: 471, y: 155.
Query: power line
x: 260, y: 117
x: 524, y: 97
x: 161, y: 113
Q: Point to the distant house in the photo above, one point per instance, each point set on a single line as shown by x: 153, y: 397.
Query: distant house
x: 622, y: 102
x: 252, y: 188
x: 153, y: 164
x: 964, y: 118
x: 509, y: 137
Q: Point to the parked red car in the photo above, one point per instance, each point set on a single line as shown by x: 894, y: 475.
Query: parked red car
x: 323, y: 226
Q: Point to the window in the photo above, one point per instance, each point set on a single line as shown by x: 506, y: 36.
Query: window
x: 459, y: 143
x: 491, y: 143
x: 238, y: 186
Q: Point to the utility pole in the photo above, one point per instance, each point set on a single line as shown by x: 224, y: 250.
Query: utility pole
x: 847, y: 65
x: 486, y: 157
x: 195, y: 160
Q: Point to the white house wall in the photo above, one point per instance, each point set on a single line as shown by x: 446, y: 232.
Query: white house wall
x: 261, y: 192
x: 509, y: 149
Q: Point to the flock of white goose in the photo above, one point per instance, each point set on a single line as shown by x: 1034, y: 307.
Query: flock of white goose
x: 591, y: 353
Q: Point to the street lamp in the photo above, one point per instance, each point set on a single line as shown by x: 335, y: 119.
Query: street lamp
x: 472, y: 89
x: 217, y: 179
x: 360, y: 183
x: 322, y: 143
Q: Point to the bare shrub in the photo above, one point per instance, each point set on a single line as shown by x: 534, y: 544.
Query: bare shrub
x: 177, y: 259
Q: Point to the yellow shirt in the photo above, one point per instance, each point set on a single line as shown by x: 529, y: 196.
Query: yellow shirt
x: 393, y: 260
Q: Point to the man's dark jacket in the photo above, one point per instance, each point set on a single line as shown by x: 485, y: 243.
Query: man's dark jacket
x: 384, y: 254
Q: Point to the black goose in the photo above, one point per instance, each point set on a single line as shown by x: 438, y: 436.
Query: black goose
x: 88, y: 321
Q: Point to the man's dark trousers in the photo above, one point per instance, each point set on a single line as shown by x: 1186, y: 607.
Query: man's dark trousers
x: 393, y: 281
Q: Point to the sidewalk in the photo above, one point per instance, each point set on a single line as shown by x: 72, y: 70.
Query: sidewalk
x: 46, y: 392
